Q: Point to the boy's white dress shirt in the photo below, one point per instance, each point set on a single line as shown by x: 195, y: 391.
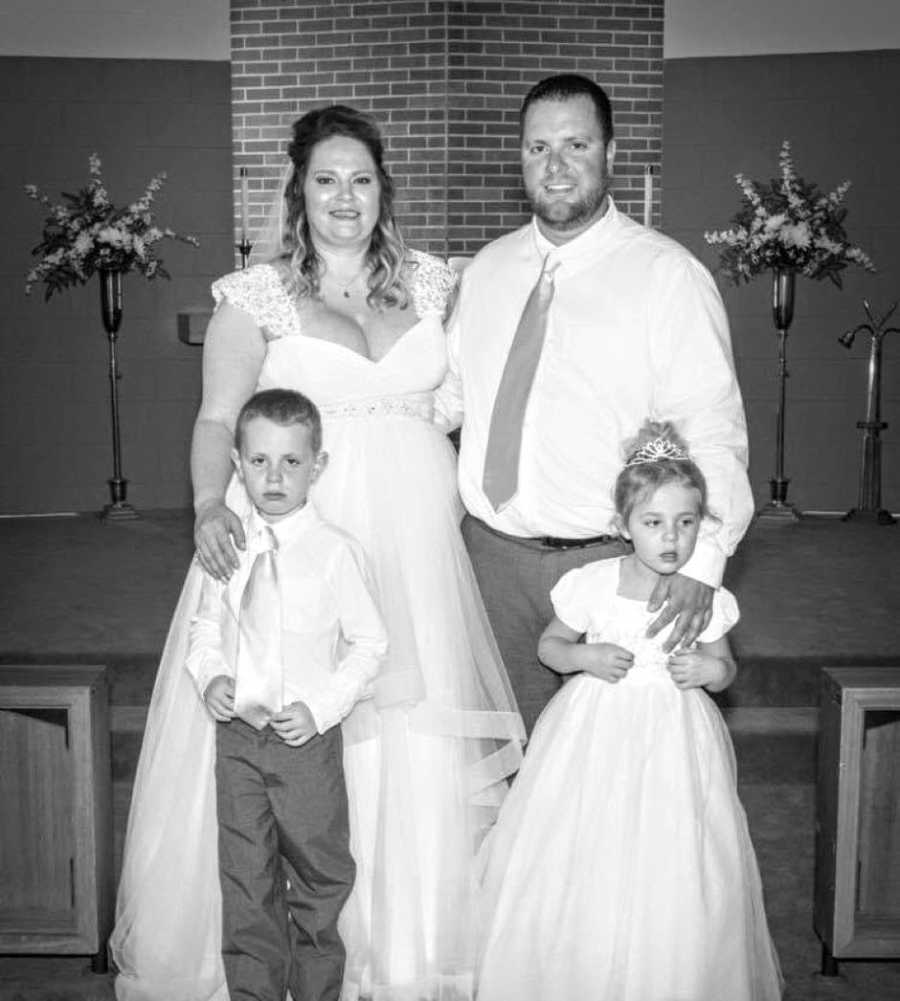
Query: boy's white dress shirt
x: 333, y: 636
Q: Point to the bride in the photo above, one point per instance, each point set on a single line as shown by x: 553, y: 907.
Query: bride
x: 349, y: 316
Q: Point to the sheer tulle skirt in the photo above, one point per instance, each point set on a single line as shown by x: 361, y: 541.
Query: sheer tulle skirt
x: 426, y: 760
x: 621, y: 867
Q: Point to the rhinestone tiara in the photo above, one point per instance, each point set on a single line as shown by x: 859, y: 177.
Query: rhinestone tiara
x: 655, y: 450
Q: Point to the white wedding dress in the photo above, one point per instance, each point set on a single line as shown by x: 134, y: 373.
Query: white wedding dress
x: 426, y: 760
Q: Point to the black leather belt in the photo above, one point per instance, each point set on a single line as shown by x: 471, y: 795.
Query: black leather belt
x: 595, y: 540
x: 547, y: 541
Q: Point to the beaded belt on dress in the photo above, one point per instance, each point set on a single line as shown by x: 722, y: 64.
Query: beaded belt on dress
x: 419, y: 406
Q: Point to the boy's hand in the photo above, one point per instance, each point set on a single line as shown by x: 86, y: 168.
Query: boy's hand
x: 219, y: 698
x: 294, y: 724
x: 694, y: 669
x: 607, y: 661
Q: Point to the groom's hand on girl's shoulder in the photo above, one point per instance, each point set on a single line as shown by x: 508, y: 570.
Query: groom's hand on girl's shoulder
x: 686, y: 601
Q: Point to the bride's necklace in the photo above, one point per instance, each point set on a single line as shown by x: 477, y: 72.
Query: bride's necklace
x: 345, y: 290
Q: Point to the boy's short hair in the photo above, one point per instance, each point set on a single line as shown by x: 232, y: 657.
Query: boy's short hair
x: 283, y: 406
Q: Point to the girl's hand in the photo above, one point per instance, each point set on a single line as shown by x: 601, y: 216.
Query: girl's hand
x: 698, y: 669
x: 606, y: 661
x: 219, y: 698
x: 217, y: 530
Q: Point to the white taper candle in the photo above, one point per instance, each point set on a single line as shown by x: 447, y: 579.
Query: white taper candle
x: 648, y: 194
x: 245, y: 206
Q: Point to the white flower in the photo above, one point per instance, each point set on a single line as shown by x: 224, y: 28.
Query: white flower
x: 84, y: 243
x: 796, y: 236
x: 111, y: 236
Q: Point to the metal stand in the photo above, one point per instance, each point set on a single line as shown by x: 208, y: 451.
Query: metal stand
x: 244, y: 248
x: 829, y: 967
x: 869, y: 505
x: 778, y: 507
x: 111, y: 311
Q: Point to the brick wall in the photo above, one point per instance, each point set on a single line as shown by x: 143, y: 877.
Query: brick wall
x: 445, y: 78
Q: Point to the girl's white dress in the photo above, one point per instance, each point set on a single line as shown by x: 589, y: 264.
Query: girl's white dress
x: 426, y: 760
x: 621, y: 867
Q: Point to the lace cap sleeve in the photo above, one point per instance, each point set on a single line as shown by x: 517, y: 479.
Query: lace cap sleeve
x: 259, y: 291
x: 725, y: 614
x: 432, y: 283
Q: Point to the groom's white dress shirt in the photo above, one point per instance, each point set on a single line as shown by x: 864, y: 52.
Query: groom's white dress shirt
x: 636, y: 330
x: 333, y: 637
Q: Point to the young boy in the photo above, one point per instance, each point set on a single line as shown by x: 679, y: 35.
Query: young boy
x: 280, y: 654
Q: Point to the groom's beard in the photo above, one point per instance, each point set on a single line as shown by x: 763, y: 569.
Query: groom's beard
x: 562, y: 215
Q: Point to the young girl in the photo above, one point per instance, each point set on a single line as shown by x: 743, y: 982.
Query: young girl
x: 621, y: 867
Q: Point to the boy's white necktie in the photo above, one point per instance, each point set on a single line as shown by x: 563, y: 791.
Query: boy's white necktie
x: 501, y: 461
x: 259, y: 673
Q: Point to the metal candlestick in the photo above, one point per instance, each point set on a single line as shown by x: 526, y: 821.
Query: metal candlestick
x: 111, y: 313
x: 869, y: 507
x: 244, y: 248
x: 783, y: 283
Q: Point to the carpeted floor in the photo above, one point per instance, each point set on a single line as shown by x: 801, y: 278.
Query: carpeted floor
x: 820, y: 592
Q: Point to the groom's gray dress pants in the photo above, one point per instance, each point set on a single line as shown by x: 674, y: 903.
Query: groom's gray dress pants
x: 284, y: 863
x: 515, y: 577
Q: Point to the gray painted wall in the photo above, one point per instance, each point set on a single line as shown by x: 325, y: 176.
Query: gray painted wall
x: 142, y: 117
x: 724, y: 115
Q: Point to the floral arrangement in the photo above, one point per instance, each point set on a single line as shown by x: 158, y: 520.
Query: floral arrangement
x: 787, y: 223
x: 86, y: 233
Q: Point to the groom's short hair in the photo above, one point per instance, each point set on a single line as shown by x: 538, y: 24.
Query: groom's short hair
x: 283, y: 406
x: 566, y: 87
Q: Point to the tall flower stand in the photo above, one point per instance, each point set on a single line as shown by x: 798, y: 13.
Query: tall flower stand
x: 111, y: 311
x: 869, y: 507
x: 779, y: 507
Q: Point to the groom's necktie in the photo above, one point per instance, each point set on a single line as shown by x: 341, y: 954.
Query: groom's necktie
x: 501, y: 460
x: 259, y: 674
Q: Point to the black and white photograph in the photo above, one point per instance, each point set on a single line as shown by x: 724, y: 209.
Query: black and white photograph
x: 449, y: 513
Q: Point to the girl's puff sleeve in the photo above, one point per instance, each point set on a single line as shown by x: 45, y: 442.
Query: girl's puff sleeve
x: 725, y: 614
x: 574, y: 596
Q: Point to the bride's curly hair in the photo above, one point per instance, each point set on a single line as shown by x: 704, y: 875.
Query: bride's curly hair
x: 386, y: 256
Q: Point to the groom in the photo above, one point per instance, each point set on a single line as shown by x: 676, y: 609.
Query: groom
x: 567, y: 335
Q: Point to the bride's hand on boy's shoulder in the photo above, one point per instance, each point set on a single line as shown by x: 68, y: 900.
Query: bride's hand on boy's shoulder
x: 607, y: 661
x: 217, y: 530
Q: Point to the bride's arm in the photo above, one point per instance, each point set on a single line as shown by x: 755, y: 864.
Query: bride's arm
x: 233, y: 354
